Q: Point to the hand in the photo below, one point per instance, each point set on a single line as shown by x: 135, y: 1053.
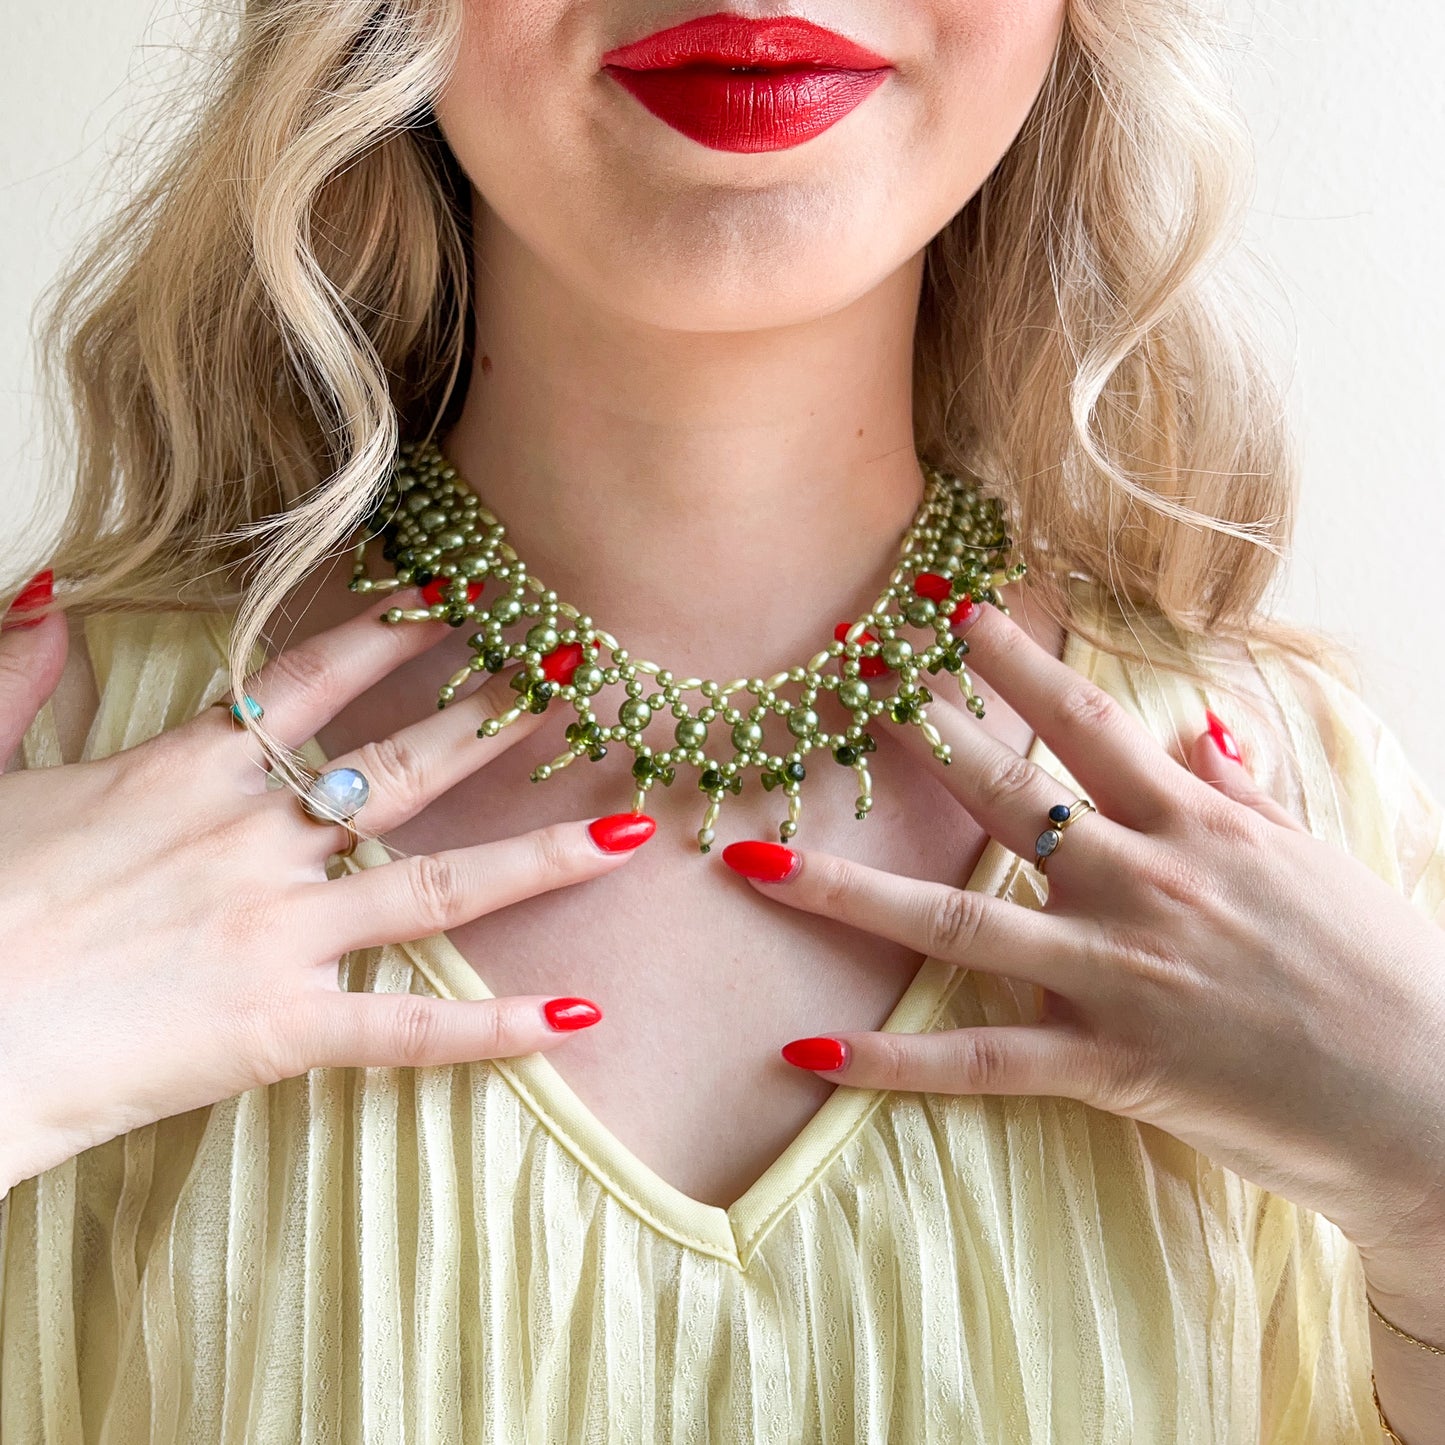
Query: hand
x: 1202, y: 963
x: 171, y: 936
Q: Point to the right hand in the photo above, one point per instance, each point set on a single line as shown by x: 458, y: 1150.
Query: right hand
x: 170, y: 935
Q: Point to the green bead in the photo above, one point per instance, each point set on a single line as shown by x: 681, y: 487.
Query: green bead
x: 537, y: 695
x: 802, y: 722
x: 853, y: 693
x: 588, y: 680
x: 691, y: 732
x: 747, y: 735
x: 635, y: 714
x: 542, y: 638
x: 794, y: 772
x: 921, y: 611
x: 505, y: 609
x: 896, y: 651
x: 846, y: 755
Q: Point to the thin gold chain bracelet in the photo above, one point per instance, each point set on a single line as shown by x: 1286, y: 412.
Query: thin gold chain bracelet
x: 1391, y: 1437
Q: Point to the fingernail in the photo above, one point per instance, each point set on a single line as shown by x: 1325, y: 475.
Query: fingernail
x: 1223, y: 738
x: 621, y: 832
x: 36, y: 593
x: 767, y: 862
x: 566, y: 1014
x: 819, y: 1053
x: 964, y: 615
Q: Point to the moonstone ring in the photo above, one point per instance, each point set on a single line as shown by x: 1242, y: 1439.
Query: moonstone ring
x: 337, y: 796
x: 1060, y: 816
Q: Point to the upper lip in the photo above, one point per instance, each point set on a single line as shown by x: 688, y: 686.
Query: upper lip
x: 780, y: 42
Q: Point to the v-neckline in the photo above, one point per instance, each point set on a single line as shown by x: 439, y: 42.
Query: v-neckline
x: 732, y: 1234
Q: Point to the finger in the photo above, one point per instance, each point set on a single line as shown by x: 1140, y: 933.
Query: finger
x: 1227, y: 774
x: 304, y: 686
x: 1011, y: 796
x: 406, y: 770
x: 1117, y: 761
x: 998, y: 1059
x: 32, y: 659
x: 431, y: 892
x: 957, y: 925
x: 379, y: 1030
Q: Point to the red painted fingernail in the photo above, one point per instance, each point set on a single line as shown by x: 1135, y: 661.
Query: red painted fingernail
x: 1223, y: 738
x: 767, y: 862
x: 621, y: 832
x: 964, y: 615
x: 820, y: 1053
x: 36, y: 593
x: 566, y: 1014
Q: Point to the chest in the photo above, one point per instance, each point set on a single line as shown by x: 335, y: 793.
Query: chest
x: 701, y: 978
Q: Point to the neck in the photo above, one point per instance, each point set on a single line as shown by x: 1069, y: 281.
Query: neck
x: 717, y: 500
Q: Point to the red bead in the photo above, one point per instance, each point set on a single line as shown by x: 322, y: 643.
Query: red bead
x: 932, y: 586
x: 819, y: 1053
x: 757, y: 858
x: 561, y: 663
x: 431, y: 594
x: 867, y: 666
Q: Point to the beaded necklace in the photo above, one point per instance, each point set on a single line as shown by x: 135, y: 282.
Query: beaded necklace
x: 437, y: 534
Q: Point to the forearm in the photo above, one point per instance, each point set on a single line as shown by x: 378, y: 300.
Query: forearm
x: 1410, y: 1293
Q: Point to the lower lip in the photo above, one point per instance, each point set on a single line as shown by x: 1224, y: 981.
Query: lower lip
x: 729, y: 110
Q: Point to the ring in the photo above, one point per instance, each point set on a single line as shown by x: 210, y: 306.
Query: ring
x: 253, y: 707
x: 336, y: 796
x: 1060, y: 816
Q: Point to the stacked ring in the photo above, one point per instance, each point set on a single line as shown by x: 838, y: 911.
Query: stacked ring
x: 1060, y: 816
x: 336, y: 796
x: 253, y: 708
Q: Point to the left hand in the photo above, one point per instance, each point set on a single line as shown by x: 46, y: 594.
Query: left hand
x: 1204, y: 963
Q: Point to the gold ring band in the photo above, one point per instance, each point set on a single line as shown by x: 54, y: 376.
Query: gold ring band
x: 1047, y: 843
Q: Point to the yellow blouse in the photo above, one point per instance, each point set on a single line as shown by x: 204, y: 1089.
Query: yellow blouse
x: 463, y: 1254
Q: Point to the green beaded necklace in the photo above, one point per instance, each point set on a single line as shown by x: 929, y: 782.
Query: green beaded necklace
x: 438, y: 535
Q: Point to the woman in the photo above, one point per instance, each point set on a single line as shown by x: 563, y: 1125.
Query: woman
x: 1126, y: 1135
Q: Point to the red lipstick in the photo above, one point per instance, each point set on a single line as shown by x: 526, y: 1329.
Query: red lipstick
x: 735, y: 84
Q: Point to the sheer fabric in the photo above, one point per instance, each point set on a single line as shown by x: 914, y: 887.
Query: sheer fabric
x: 464, y: 1254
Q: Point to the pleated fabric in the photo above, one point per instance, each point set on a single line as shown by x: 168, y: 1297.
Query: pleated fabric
x: 463, y: 1254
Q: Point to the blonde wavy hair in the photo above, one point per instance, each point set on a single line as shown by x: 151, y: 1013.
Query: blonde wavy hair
x: 242, y: 346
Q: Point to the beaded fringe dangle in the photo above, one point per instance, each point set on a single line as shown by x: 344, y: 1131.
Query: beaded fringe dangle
x: 438, y: 535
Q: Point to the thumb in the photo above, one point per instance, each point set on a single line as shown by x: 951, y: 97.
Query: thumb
x: 1216, y: 758
x: 32, y: 657
x: 380, y: 1030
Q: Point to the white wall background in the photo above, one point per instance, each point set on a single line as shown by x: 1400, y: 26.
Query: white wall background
x: 1349, y: 119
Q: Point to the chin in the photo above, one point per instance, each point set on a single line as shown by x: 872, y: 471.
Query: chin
x: 702, y: 259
